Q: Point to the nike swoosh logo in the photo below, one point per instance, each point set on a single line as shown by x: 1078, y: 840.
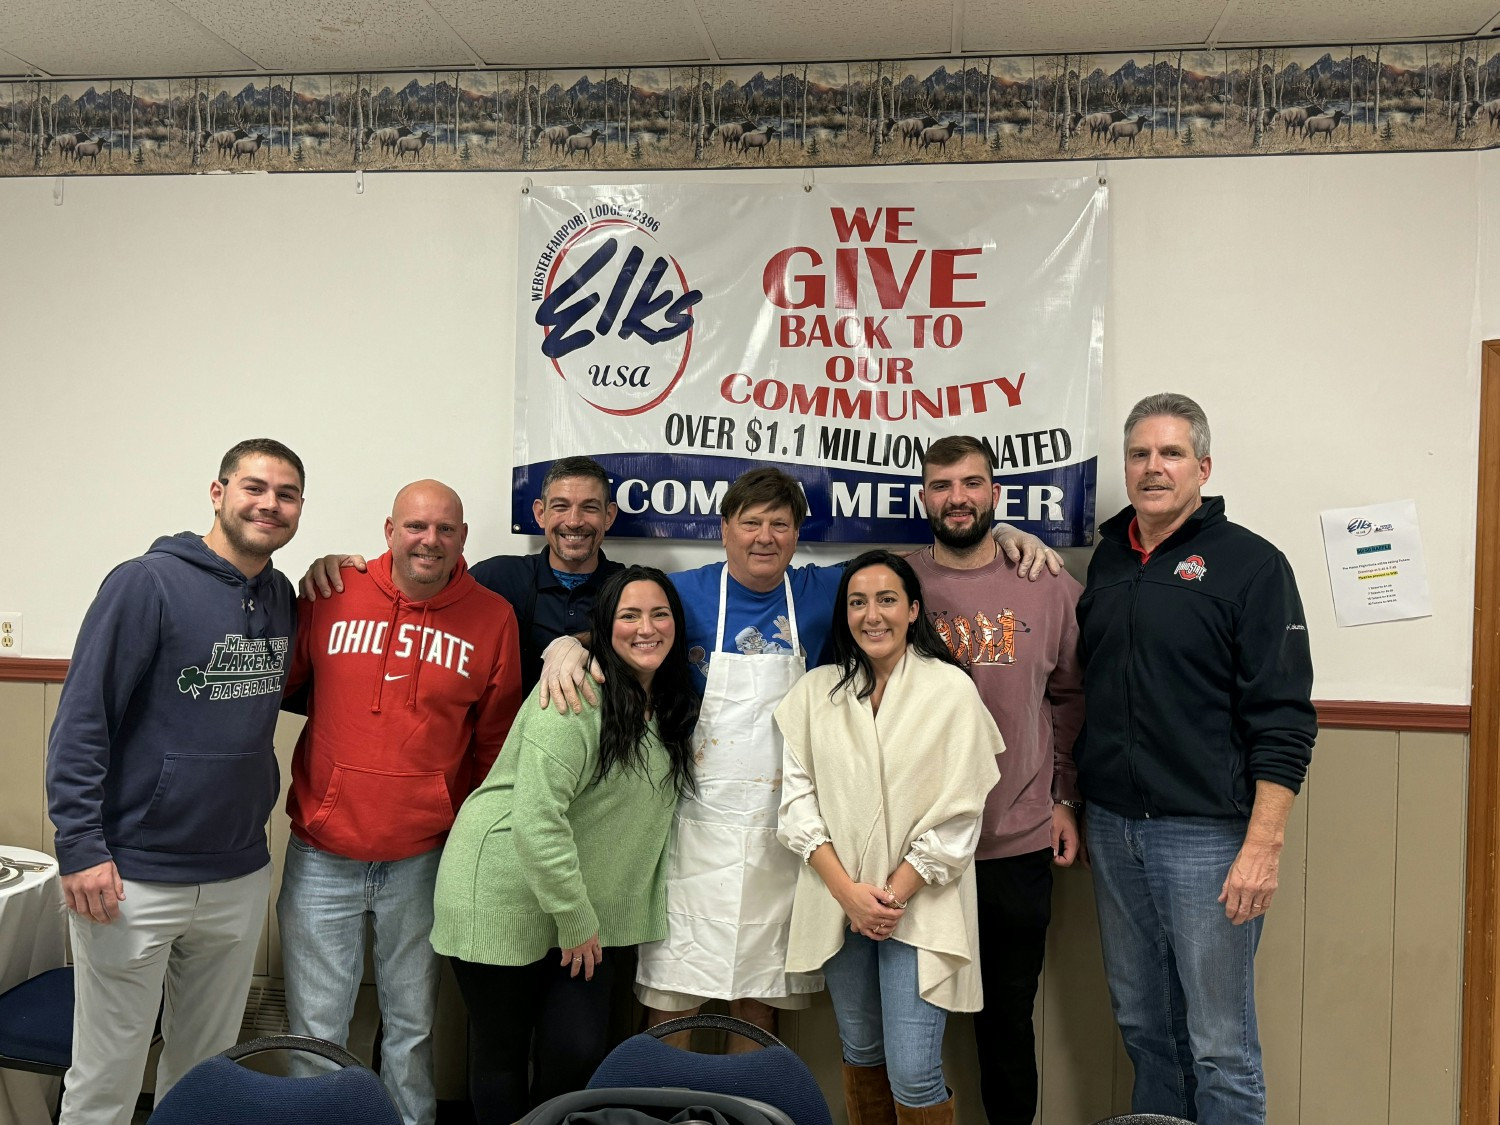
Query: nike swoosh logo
x: 403, y: 676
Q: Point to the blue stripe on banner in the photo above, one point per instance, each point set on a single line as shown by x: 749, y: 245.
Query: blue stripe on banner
x: 677, y: 496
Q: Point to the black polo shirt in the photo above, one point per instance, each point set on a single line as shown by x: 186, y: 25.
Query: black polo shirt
x: 545, y: 608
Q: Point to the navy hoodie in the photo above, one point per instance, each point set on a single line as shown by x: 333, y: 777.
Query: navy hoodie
x: 160, y: 757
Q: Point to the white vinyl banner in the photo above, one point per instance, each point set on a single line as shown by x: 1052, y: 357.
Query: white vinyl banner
x: 681, y: 334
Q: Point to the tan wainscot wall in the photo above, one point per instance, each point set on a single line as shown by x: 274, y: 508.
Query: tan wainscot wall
x: 1359, y: 970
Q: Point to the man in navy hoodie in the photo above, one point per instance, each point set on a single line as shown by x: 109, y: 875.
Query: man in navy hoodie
x: 160, y: 778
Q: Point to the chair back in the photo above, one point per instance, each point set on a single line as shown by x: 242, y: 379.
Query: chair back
x: 640, y: 1106
x: 36, y: 1023
x: 774, y: 1074
x: 218, y: 1091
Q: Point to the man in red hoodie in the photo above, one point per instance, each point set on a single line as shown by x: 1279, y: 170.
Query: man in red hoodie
x: 412, y: 676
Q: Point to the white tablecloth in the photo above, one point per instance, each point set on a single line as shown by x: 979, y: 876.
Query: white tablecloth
x: 31, y: 941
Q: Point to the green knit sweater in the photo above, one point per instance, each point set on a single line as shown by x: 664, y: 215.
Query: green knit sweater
x: 543, y: 857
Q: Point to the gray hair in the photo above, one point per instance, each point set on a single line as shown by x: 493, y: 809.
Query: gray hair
x: 1172, y: 406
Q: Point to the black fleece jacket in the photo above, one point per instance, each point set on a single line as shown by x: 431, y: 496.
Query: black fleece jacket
x: 1197, y: 671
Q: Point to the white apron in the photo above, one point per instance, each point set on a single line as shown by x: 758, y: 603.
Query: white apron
x: 731, y: 882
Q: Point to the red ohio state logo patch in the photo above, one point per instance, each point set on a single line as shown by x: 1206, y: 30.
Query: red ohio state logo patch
x: 1191, y: 569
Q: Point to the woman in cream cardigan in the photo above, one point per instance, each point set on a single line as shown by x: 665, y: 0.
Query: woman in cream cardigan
x: 889, y: 756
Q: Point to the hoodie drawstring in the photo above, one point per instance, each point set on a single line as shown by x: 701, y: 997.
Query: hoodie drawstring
x: 411, y: 695
x: 385, y: 655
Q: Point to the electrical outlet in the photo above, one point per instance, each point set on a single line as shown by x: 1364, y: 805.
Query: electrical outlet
x: 10, y: 634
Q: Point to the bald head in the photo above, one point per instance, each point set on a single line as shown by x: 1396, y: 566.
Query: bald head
x: 425, y: 532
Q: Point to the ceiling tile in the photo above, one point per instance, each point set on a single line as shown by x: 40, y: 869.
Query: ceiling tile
x: 9, y: 64
x: 515, y: 33
x: 1087, y: 25
x: 112, y: 37
x: 827, y: 29
x: 1338, y: 21
x: 332, y: 34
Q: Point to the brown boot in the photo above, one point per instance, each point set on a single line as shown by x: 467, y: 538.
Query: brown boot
x: 867, y: 1096
x: 940, y: 1114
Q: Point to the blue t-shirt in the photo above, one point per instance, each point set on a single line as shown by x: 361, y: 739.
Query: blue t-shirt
x: 757, y: 623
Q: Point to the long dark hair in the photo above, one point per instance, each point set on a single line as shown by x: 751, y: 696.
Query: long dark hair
x: 853, y: 664
x: 622, y: 704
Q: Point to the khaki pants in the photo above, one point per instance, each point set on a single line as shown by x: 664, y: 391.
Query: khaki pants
x: 187, y: 949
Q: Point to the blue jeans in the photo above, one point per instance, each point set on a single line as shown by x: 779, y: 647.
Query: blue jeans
x: 322, y: 908
x: 883, y: 1019
x: 1181, y: 976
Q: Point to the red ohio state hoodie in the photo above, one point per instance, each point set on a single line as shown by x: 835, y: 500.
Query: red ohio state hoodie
x: 408, y: 707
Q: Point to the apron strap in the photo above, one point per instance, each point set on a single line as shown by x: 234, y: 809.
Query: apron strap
x: 791, y: 612
x: 723, y: 606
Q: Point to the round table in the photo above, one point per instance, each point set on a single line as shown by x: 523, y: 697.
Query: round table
x: 31, y: 941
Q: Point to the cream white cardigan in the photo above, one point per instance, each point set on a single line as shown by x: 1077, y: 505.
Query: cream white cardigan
x: 881, y: 781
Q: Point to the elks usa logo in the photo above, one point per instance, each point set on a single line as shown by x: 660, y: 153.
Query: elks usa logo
x: 615, y: 309
x: 238, y: 668
x: 1191, y: 569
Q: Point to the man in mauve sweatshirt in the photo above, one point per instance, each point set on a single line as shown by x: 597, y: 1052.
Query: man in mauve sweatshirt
x: 1018, y: 639
x: 412, y: 675
x: 160, y: 777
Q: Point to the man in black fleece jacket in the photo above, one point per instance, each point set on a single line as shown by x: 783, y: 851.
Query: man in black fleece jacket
x: 1198, y: 732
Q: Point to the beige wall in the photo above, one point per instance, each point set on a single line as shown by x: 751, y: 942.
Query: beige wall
x: 1281, y: 292
x: 1359, y: 969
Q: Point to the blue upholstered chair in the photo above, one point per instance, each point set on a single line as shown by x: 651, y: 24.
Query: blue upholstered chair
x: 219, y: 1091
x: 642, y: 1106
x: 773, y: 1075
x: 36, y: 1025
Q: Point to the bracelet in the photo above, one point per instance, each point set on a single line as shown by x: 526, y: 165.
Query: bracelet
x: 896, y: 902
x: 1076, y: 806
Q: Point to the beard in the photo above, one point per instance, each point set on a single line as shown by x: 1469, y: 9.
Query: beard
x: 962, y: 540
x: 248, y: 541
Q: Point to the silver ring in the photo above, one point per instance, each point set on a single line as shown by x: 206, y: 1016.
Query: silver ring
x: 577, y: 960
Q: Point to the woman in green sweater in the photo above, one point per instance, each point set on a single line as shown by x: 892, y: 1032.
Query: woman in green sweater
x: 562, y: 853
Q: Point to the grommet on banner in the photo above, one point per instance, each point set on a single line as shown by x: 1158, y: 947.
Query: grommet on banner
x: 1099, y: 171
x: 526, y: 186
x: 359, y: 181
x: 57, y: 191
x: 807, y: 180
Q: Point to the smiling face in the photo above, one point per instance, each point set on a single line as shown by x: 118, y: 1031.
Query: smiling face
x: 1164, y: 478
x: 643, y: 629
x: 574, y: 514
x: 879, y: 613
x: 425, y: 532
x: 758, y: 542
x: 256, y: 509
x: 960, y: 501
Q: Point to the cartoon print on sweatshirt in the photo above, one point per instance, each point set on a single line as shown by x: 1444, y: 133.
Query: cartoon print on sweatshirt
x: 983, y: 640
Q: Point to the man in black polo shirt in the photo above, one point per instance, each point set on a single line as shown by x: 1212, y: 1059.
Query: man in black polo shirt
x: 551, y: 591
